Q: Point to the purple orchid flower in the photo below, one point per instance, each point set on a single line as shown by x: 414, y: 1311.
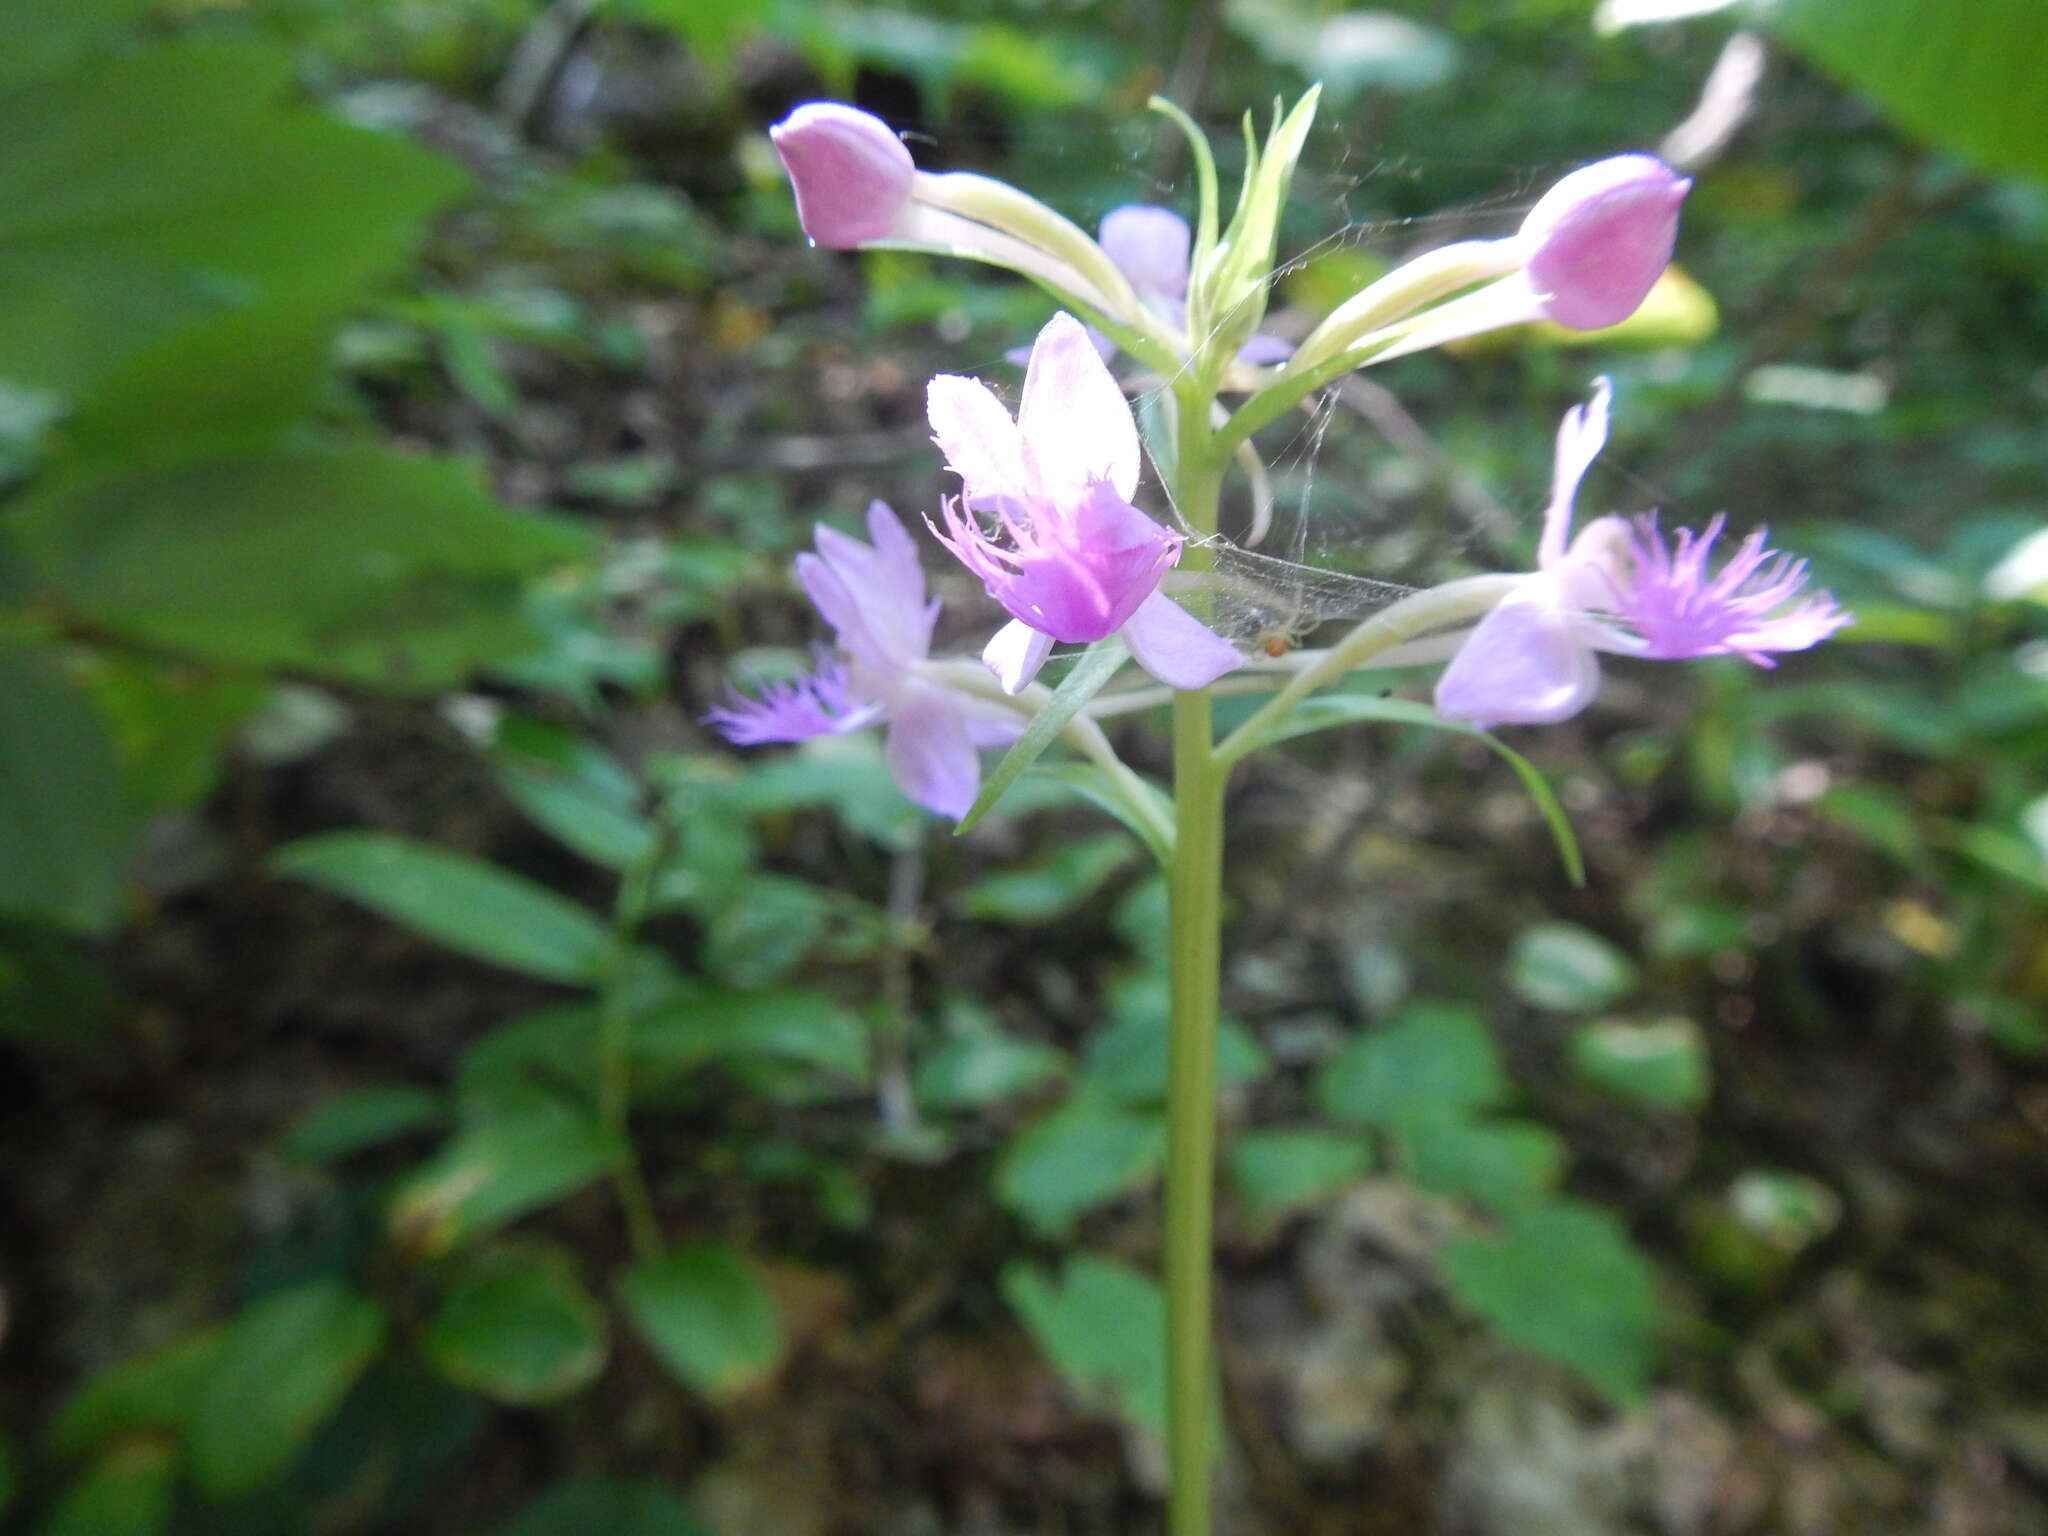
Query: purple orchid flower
x: 873, y: 597
x: 1152, y: 246
x: 1080, y: 562
x: 1619, y: 587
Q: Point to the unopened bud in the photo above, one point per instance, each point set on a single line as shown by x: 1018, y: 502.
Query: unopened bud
x: 1598, y: 241
x: 851, y: 174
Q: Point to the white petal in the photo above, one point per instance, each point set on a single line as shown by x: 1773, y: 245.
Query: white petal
x: 981, y: 443
x: 1074, y: 416
x: 1015, y: 654
x: 1527, y: 663
x: 1175, y: 646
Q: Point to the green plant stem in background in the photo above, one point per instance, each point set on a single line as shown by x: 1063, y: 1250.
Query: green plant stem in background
x: 615, y: 1039
x: 1195, y: 893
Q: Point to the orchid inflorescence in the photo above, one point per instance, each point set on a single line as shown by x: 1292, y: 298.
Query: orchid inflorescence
x: 1045, y: 515
x: 1047, y: 518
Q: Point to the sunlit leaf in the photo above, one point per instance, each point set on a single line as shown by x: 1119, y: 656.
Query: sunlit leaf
x: 1082, y: 1155
x: 1568, y: 969
x: 1279, y: 1171
x: 1433, y: 1059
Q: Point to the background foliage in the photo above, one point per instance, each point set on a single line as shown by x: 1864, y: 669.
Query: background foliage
x: 445, y: 1090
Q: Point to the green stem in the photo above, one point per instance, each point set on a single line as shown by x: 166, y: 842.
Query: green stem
x: 615, y: 1039
x: 1195, y: 896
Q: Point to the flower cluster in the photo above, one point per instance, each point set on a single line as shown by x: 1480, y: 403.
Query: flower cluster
x: 1045, y: 516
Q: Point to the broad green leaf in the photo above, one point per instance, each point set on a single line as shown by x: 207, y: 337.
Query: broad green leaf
x: 43, y: 36
x: 1098, y: 664
x: 764, y: 927
x: 169, y: 724
x: 168, y: 184
x: 605, y: 1506
x: 127, y: 1492
x: 151, y: 1393
x: 470, y: 906
x: 391, y: 570
x: 576, y: 792
x: 704, y: 1311
x: 983, y: 1068
x: 718, y: 1025
x: 1325, y: 711
x: 1562, y: 1280
x: 546, y: 1059
x: 516, y: 1325
x: 1970, y: 78
x: 1050, y: 886
x: 1279, y: 1171
x: 64, y: 831
x: 1659, y: 1063
x: 1503, y: 1164
x: 352, y: 1122
x: 1081, y: 1155
x: 1102, y: 1325
x: 499, y: 1170
x: 1433, y: 1059
x: 1139, y: 804
x: 1568, y: 969
x: 281, y: 1368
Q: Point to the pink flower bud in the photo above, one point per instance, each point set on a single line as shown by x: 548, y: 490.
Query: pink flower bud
x: 850, y: 173
x: 1599, y: 240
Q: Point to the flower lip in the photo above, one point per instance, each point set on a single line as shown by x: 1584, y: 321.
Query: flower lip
x: 851, y: 175
x: 1750, y: 607
x: 1599, y: 240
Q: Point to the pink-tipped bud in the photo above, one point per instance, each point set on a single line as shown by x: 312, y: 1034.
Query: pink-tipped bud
x: 1599, y: 240
x: 851, y: 175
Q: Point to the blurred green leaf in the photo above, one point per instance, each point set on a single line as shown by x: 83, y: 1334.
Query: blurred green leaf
x: 1969, y: 78
x: 1432, y: 1059
x: 161, y: 186
x: 282, y: 1367
x: 1568, y: 969
x: 500, y: 1169
x: 64, y: 832
x: 127, y: 1492
x: 1563, y: 1281
x: 388, y: 569
x: 464, y: 903
x: 761, y: 930
x: 517, y: 1325
x: 546, y: 1059
x: 348, y: 1123
x: 1102, y: 1325
x: 605, y: 1506
x: 1079, y: 1156
x: 1279, y: 1171
x: 42, y: 38
x: 1502, y: 1164
x: 983, y: 1068
x: 1350, y: 52
x: 706, y: 1314
x: 152, y: 1394
x: 717, y: 1025
x: 1786, y: 1210
x: 1658, y: 1063
x: 1050, y: 886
